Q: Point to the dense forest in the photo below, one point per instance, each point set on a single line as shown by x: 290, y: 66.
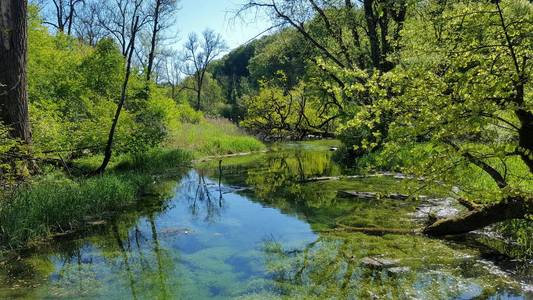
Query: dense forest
x: 96, y: 100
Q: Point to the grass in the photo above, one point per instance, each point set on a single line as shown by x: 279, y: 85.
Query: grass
x: 155, y: 160
x: 54, y: 203
x: 213, y: 137
x: 37, y: 211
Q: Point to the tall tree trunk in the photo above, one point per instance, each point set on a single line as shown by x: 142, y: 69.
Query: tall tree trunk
x: 525, y: 134
x: 13, y: 57
x: 151, y: 56
x: 109, y: 147
x: 372, y: 24
x: 70, y: 18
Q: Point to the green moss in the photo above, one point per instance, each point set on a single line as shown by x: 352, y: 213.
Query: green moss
x: 335, y: 266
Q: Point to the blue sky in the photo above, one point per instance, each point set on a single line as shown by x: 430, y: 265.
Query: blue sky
x: 197, y: 15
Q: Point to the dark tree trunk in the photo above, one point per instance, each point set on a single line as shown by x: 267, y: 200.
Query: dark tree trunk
x: 372, y: 24
x: 525, y: 134
x: 151, y: 56
x: 70, y: 18
x: 109, y: 147
x: 200, y: 82
x: 508, y: 209
x: 198, y: 97
x: 13, y: 84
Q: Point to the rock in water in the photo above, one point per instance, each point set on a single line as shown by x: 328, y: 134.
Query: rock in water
x: 379, y: 263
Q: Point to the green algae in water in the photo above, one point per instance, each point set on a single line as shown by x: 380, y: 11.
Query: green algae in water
x: 196, y: 239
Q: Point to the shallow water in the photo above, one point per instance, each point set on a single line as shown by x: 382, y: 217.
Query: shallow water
x: 258, y: 231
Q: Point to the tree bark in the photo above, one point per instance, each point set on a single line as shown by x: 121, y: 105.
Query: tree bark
x: 198, y: 97
x: 109, y: 147
x: 372, y: 23
x: 515, y: 207
x: 151, y: 55
x: 13, y: 58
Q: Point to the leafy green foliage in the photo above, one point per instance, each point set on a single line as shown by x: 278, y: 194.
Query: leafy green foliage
x: 212, y: 99
x: 74, y: 91
x: 10, y: 161
x: 278, y: 113
x: 455, y: 90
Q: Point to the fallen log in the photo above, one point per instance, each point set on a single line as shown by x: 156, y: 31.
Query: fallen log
x: 374, y: 195
x: 386, y: 174
x: 469, y: 204
x: 513, y: 207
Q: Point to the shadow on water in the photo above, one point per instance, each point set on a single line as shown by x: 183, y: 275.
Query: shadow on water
x: 250, y: 228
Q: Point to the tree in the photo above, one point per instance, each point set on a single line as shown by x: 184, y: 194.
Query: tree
x: 347, y: 37
x: 87, y: 28
x: 277, y: 114
x: 162, y: 13
x: 109, y: 147
x: 118, y: 17
x: 463, y: 89
x: 13, y: 59
x: 63, y: 13
x: 198, y: 54
x: 171, y: 70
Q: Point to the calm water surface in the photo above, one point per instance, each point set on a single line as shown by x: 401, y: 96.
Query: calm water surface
x: 258, y: 231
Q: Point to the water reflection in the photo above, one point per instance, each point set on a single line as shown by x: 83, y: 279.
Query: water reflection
x: 250, y: 228
x: 203, y: 200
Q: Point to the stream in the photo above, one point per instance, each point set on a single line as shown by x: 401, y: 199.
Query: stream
x: 257, y: 229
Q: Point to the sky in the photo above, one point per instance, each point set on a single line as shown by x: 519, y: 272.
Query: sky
x: 197, y: 15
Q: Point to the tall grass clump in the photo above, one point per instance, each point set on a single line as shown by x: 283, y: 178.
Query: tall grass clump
x: 231, y: 145
x: 54, y: 204
x: 37, y: 211
x: 213, y: 137
x: 155, y: 160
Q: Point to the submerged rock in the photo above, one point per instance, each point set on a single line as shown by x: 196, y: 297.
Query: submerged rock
x: 378, y: 262
x: 439, y: 208
x: 398, y: 270
x: 175, y: 231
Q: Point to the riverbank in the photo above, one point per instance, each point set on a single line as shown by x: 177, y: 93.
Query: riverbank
x: 58, y: 201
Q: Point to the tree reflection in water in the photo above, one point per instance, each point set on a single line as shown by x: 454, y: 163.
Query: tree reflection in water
x: 203, y: 200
